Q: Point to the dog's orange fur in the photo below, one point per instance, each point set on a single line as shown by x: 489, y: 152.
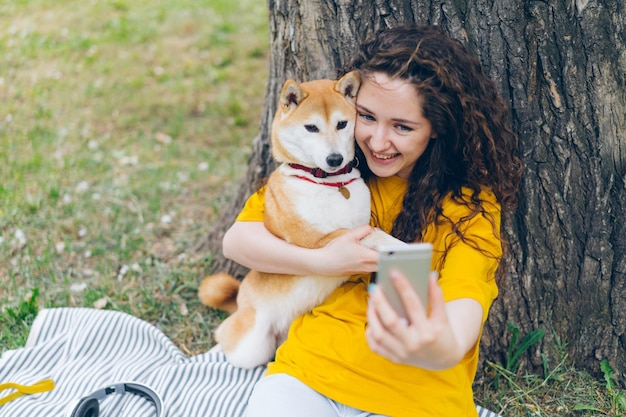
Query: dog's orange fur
x: 220, y: 290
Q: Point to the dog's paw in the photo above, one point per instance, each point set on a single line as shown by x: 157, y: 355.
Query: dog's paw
x: 377, y: 238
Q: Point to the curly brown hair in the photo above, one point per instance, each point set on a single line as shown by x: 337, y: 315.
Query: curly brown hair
x: 475, y: 147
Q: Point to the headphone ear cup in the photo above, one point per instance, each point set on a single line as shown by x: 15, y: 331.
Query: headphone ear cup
x: 87, y: 408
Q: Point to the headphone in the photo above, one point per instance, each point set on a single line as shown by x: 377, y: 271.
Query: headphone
x: 89, y: 406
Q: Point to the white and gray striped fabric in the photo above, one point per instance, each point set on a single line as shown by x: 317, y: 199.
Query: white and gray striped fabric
x: 83, y: 350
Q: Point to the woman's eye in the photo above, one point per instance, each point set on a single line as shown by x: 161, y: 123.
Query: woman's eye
x: 404, y: 128
x: 342, y: 125
x: 311, y: 128
x: 366, y: 116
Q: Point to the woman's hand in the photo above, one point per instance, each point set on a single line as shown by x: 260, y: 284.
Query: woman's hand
x: 438, y: 340
x: 346, y: 256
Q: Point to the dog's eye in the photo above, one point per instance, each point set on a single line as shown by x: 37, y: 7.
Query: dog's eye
x: 311, y: 128
x: 342, y: 125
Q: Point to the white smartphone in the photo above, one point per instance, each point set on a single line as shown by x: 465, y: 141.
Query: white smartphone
x: 413, y: 260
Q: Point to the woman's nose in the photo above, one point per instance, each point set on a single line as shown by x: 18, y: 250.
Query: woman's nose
x: 379, y: 138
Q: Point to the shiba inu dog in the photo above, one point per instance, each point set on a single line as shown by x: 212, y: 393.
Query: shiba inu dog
x: 311, y: 198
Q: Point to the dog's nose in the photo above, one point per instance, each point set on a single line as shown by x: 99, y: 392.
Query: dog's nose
x: 334, y: 159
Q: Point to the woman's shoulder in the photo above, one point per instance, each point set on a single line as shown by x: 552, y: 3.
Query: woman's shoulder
x: 254, y: 207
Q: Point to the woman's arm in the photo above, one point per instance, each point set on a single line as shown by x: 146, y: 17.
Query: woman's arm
x: 252, y: 245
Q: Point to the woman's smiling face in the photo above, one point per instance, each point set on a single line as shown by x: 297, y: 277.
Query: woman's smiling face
x: 391, y: 129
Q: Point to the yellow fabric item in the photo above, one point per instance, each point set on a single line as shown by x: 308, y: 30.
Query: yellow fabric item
x: 254, y: 209
x: 327, y: 350
x: 36, y: 388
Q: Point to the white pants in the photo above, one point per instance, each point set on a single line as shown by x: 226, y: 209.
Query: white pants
x: 281, y: 395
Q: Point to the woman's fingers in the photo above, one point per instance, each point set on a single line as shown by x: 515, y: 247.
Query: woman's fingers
x: 344, y: 255
x: 428, y: 338
x: 361, y: 232
x: 437, y: 302
x: 387, y: 332
x: 406, y: 340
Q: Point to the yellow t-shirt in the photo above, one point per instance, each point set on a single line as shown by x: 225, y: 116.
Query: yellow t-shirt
x: 327, y: 350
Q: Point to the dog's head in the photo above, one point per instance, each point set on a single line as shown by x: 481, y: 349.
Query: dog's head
x: 314, y: 123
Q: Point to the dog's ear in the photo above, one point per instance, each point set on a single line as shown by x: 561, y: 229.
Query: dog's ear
x: 348, y: 85
x: 291, y: 95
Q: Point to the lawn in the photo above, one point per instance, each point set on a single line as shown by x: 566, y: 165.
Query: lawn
x: 125, y: 126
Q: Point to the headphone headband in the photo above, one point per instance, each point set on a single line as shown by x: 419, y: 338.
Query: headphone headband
x: 89, y: 405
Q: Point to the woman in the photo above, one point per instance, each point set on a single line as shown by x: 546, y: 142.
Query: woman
x: 438, y: 155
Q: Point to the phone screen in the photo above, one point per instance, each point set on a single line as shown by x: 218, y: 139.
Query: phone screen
x: 414, y: 261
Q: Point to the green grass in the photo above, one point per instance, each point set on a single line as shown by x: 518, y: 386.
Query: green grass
x: 124, y: 128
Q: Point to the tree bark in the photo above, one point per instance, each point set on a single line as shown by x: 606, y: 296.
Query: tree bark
x: 559, y: 64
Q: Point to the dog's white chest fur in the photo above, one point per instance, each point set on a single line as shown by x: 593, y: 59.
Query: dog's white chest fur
x: 320, y: 203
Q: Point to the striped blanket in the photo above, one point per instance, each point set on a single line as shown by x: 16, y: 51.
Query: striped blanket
x: 83, y: 350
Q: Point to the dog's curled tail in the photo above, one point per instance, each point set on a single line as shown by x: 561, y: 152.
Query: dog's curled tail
x: 219, y: 291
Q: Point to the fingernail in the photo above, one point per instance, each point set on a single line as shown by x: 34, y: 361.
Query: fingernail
x: 371, y: 288
x: 435, y: 274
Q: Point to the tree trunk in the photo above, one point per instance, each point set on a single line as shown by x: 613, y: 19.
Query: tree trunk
x: 560, y: 66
